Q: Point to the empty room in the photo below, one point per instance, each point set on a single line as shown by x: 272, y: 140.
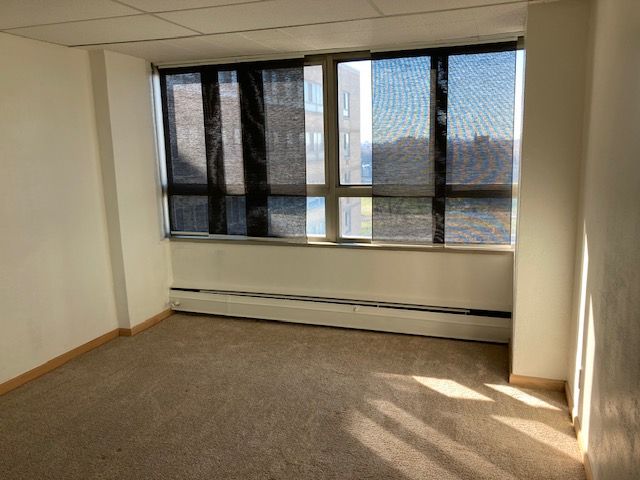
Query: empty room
x: 320, y: 239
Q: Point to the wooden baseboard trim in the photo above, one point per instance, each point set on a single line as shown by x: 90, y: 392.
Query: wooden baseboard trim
x: 569, y: 395
x: 56, y: 362
x: 587, y: 466
x: 581, y: 445
x: 560, y: 386
x: 60, y: 360
x: 536, y: 382
x: 579, y: 435
x: 150, y: 322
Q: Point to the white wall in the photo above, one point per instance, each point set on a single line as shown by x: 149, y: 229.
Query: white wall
x: 606, y: 333
x: 55, y: 278
x: 481, y: 280
x: 48, y: 114
x: 139, y: 251
x: 556, y: 42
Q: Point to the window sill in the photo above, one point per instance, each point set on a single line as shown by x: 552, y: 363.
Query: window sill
x: 492, y: 249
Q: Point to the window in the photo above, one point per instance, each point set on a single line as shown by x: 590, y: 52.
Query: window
x: 315, y: 147
x: 423, y: 150
x: 314, y: 124
x: 354, y: 81
x: 356, y: 218
x: 345, y: 104
x: 313, y: 94
x: 346, y: 145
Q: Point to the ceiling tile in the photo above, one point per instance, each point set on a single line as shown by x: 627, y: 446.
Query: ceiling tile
x: 168, y: 5
x: 394, y: 7
x: 274, y: 13
x: 122, y: 29
x: 371, y: 34
x: 151, y: 50
x: 414, y: 30
x: 502, y: 19
x: 231, y: 45
x: 228, y: 45
x: 21, y: 13
x: 278, y: 40
x: 411, y: 31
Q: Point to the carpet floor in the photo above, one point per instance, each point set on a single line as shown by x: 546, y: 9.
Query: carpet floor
x: 200, y: 397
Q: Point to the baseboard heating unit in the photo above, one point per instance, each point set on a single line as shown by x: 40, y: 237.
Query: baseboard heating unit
x: 433, y: 321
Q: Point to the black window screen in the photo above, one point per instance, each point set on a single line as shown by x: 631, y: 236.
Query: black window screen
x: 480, y: 135
x: 236, y: 153
x: 186, y: 143
x: 422, y: 149
x: 443, y: 143
x: 403, y: 181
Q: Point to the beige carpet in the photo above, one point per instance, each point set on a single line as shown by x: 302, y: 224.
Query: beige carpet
x: 207, y: 398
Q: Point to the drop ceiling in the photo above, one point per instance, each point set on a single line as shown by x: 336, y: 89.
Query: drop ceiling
x: 174, y: 31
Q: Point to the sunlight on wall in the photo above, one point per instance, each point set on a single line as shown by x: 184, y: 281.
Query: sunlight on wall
x: 585, y: 410
x: 585, y: 349
x: 521, y: 396
x: 584, y: 275
x: 451, y: 388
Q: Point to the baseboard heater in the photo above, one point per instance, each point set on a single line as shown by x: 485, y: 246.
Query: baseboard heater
x: 433, y: 321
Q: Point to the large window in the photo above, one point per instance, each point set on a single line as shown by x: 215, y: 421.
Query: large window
x: 405, y: 147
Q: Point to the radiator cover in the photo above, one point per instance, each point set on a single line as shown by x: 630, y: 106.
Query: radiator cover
x: 433, y: 321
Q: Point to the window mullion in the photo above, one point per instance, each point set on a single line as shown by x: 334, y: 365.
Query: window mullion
x: 440, y: 81
x: 317, y: 190
x: 354, y: 191
x: 330, y: 98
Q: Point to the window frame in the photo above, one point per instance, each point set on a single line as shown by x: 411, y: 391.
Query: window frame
x: 332, y: 189
x: 341, y: 190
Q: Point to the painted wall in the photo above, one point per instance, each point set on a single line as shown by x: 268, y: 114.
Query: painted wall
x: 55, y: 277
x: 556, y: 41
x: 453, y: 279
x: 606, y: 333
x: 139, y: 251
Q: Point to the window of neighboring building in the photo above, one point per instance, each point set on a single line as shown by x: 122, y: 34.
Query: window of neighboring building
x: 313, y: 95
x: 346, y: 144
x: 346, y: 108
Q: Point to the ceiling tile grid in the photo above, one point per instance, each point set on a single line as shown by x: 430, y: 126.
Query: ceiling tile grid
x: 170, y: 5
x: 173, y: 31
x: 120, y: 29
x: 23, y: 13
x: 271, y: 14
